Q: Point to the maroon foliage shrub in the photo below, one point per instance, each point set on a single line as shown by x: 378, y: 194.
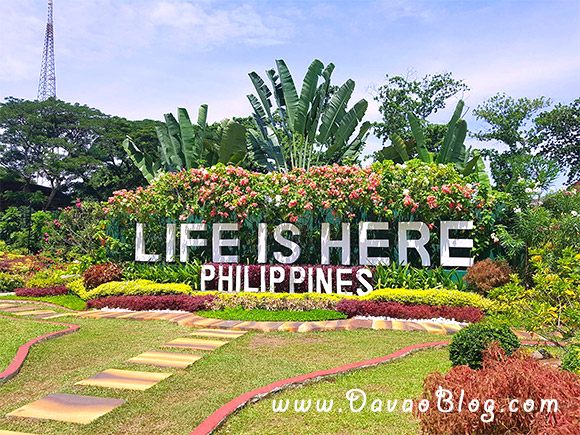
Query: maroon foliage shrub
x: 353, y: 307
x: 254, y: 277
x: 488, y: 274
x: 503, y: 380
x: 145, y: 303
x: 40, y: 292
x: 99, y: 274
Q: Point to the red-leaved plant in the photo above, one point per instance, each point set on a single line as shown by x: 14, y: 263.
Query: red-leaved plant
x: 353, y: 307
x: 99, y: 274
x: 40, y: 292
x: 145, y: 303
x: 503, y: 379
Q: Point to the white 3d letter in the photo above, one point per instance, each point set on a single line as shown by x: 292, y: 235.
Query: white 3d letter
x: 447, y: 243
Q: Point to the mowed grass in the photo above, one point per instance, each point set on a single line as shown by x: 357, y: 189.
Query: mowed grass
x: 178, y: 404
x: 398, y: 380
x: 14, y: 333
x: 68, y: 301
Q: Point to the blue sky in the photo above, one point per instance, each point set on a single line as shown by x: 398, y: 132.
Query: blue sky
x: 142, y: 58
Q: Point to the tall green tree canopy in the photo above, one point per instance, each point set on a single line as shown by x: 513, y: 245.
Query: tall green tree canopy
x: 424, y: 97
x: 309, y: 128
x: 511, y: 129
x: 558, y: 137
x: 48, y: 141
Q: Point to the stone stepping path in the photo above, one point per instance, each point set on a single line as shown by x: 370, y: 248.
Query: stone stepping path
x: 218, y: 333
x: 68, y: 407
x: 9, y: 432
x: 125, y: 379
x: 165, y: 359
x: 85, y: 409
x: 3, y: 306
x: 20, y: 308
x: 195, y: 343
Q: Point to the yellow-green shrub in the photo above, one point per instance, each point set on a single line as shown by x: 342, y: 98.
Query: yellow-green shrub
x: 139, y: 287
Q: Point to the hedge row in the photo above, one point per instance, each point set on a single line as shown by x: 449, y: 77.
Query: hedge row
x: 396, y: 310
x: 41, y: 292
x: 154, y: 303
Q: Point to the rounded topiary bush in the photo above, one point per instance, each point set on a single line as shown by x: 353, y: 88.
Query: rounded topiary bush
x: 468, y: 344
x: 571, y: 361
x: 488, y: 274
x: 99, y: 274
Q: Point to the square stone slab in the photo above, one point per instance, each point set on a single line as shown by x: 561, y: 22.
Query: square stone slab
x: 165, y: 359
x: 195, y: 343
x: 33, y: 312
x: 67, y: 407
x: 217, y: 333
x: 124, y: 379
x: 9, y: 432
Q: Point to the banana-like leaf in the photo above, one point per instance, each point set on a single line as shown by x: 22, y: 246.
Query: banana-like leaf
x: 347, y: 126
x: 457, y: 156
x: 258, y: 151
x: 424, y: 154
x: 188, y: 145
x: 332, y: 114
x: 354, y: 149
x: 289, y: 89
x: 140, y: 159
x: 176, y: 156
x: 166, y: 148
x: 233, y: 141
x: 317, y: 105
x: 258, y: 108
x: 399, y: 146
x: 263, y: 92
x: 446, y: 149
x: 237, y: 158
x: 202, y: 126
x: 309, y: 86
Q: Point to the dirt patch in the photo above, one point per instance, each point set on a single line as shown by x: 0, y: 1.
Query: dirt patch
x: 277, y: 342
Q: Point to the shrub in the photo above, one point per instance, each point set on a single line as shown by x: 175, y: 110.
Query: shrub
x: 135, y: 288
x: 188, y: 273
x: 468, y: 343
x: 571, y: 361
x: 503, y: 380
x: 276, y: 301
x: 452, y: 298
x: 488, y: 274
x: 10, y: 282
x: 145, y: 303
x: 399, y: 276
x: 99, y: 274
x: 40, y: 292
x: 77, y: 287
x: 396, y: 310
x: 259, y: 315
x: 49, y: 278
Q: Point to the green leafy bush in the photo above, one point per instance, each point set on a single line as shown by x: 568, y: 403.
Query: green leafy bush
x: 260, y: 315
x: 137, y: 287
x: 9, y: 282
x: 571, y: 361
x: 468, y: 344
x: 49, y: 278
x: 188, y: 273
x: 397, y: 276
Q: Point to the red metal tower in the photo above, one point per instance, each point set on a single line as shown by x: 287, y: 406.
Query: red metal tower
x: 47, y: 82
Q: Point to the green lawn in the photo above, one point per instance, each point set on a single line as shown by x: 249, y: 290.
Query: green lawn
x: 178, y: 404
x: 68, y: 301
x: 14, y: 333
x: 261, y: 315
x: 401, y: 379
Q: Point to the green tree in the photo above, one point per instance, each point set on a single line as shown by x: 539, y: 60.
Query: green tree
x: 511, y: 124
x: 557, y: 136
x: 424, y: 97
x: 306, y: 129
x: 48, y: 140
x: 113, y: 170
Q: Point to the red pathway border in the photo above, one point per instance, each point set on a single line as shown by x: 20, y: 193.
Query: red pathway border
x: 16, y: 364
x: 215, y: 420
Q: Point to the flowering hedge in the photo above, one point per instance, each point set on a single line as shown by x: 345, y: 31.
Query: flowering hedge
x: 396, y: 310
x: 382, y: 192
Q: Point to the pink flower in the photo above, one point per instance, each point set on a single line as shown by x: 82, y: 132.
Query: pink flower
x: 292, y: 203
x: 407, y: 201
